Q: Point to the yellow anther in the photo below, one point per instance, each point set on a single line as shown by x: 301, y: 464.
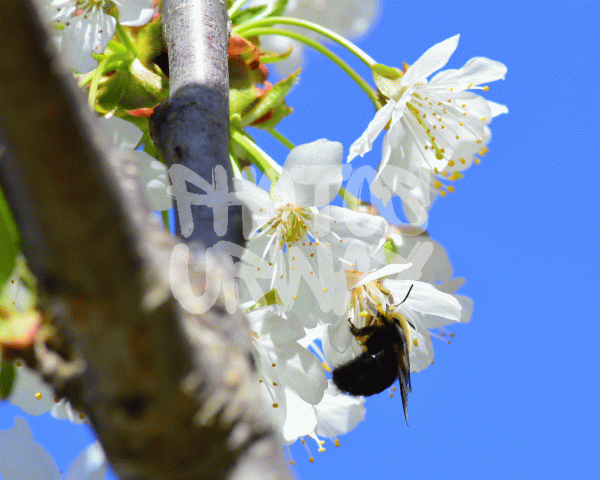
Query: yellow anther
x: 336, y: 442
x: 443, y: 193
x: 82, y: 415
x: 462, y: 160
x: 275, y: 405
x: 311, y: 459
x: 437, y: 184
x: 450, y: 188
x: 450, y: 163
x: 38, y: 395
x: 275, y: 384
x: 416, y: 342
x: 326, y: 367
x: 324, y: 289
x: 486, y: 88
x: 476, y: 160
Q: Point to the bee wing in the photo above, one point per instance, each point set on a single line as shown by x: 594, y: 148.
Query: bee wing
x: 401, y: 351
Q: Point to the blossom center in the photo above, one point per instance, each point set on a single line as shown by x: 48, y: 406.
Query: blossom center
x: 291, y: 223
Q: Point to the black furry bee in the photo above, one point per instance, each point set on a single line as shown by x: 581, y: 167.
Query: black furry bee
x: 384, y: 360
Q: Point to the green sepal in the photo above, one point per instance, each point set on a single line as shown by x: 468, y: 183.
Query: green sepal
x: 385, y: 71
x: 148, y: 40
x: 272, y: 57
x: 7, y: 378
x: 270, y: 298
x: 9, y: 241
x: 272, y: 99
x: 391, y: 88
x: 132, y: 88
x: 242, y: 92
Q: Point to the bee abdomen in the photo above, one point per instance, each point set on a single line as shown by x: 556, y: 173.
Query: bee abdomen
x: 367, y: 374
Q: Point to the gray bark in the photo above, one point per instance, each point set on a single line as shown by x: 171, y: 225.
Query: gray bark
x: 171, y: 395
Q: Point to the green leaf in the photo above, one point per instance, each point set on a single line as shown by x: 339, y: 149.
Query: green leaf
x: 248, y: 14
x: 278, y: 8
x: 9, y: 241
x: 272, y: 99
x: 385, y: 71
x: 7, y: 378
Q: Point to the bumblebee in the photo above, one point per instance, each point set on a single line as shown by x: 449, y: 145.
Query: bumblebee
x: 385, y: 341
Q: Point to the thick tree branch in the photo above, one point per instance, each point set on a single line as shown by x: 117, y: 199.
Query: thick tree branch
x: 171, y: 395
x: 192, y: 127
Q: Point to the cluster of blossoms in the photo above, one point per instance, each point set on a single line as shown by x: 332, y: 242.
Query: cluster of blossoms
x: 309, y: 267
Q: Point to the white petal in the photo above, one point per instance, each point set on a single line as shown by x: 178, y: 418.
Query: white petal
x: 87, y: 33
x: 281, y: 326
x: 476, y: 71
x: 312, y: 175
x: 337, y: 413
x: 91, y: 464
x: 155, y: 179
x: 421, y: 355
x: 27, y: 384
x: 257, y: 206
x: 23, y: 458
x: 496, y: 108
x: 426, y: 299
x: 135, y: 13
x: 303, y: 372
x: 382, y: 272
x: 64, y: 411
x: 124, y: 134
x: 300, y: 419
x: 365, y: 142
x: 431, y: 61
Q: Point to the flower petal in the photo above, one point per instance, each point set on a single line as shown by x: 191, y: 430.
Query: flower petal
x: 135, y: 13
x: 312, y: 175
x: 431, y: 61
x: 22, y: 457
x: 91, y: 464
x: 476, y: 71
x: 365, y: 142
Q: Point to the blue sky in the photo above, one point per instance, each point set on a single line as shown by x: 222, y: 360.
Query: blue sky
x: 516, y: 392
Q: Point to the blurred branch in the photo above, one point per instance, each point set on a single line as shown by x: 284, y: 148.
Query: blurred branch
x: 170, y: 395
x: 192, y: 127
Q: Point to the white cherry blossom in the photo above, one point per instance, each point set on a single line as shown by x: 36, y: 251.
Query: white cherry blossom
x: 88, y: 28
x: 23, y: 458
x: 154, y: 175
x: 435, y: 127
x: 294, y: 240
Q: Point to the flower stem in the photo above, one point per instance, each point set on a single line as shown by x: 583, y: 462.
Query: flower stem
x: 325, y: 51
x: 265, y: 163
x: 278, y: 136
x: 267, y: 22
x: 124, y: 37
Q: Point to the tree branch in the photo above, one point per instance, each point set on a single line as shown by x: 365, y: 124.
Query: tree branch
x: 170, y: 395
x: 192, y: 127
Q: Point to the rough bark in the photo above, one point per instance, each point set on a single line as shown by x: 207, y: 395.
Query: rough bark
x: 171, y: 395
